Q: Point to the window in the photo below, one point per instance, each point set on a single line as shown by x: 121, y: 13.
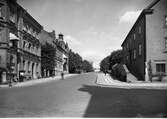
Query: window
x: 127, y: 46
x: 24, y: 27
x: 127, y: 57
x: 134, y: 54
x: 140, y: 49
x: 139, y: 29
x: 160, y: 67
x: 166, y: 42
x: 29, y: 46
x: 24, y: 64
x: 0, y: 12
x: 24, y: 43
x: 0, y: 59
x: 134, y: 36
x: 12, y: 17
x: 28, y: 67
x: 165, y: 20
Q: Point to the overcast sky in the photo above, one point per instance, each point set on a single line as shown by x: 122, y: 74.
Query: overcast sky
x: 93, y: 28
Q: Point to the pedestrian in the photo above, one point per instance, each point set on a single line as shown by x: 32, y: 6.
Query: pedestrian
x: 10, y: 82
x: 62, y: 75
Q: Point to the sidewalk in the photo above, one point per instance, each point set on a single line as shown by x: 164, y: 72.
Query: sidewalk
x: 107, y: 81
x: 37, y: 81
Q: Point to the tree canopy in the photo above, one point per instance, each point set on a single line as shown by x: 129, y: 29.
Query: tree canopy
x: 77, y: 64
x: 115, y: 57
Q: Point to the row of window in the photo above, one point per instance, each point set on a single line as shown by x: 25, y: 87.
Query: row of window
x: 30, y: 47
x: 134, y: 37
x: 26, y: 27
x: 27, y: 66
x: 134, y: 52
x: 30, y: 30
x: 161, y: 67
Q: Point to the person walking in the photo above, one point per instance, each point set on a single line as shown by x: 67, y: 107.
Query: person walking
x: 10, y: 82
x: 62, y: 75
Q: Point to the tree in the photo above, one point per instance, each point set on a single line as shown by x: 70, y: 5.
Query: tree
x: 77, y: 65
x: 115, y: 57
x: 104, y: 64
x: 75, y: 62
x: 48, y: 54
x: 107, y: 63
x: 87, y: 66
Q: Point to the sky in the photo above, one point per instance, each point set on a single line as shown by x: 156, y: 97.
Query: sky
x: 92, y: 28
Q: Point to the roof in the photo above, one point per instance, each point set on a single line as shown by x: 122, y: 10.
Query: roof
x: 29, y: 16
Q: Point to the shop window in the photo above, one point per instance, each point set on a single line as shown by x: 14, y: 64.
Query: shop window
x: 160, y: 67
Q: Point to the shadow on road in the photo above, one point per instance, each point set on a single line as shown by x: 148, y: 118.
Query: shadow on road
x: 115, y: 102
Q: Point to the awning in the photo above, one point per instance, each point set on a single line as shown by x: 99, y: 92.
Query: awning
x: 13, y: 37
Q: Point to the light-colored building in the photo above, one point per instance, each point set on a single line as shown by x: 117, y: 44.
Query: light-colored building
x: 62, y: 54
x: 54, y: 60
x: 20, y: 49
x: 145, y: 46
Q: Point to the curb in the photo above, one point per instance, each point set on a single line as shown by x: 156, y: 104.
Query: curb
x: 124, y: 85
x: 37, y: 81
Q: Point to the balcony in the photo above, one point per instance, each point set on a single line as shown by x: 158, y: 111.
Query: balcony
x: 27, y: 36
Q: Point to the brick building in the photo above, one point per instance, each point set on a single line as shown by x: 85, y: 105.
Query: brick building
x: 145, y: 46
x: 20, y: 49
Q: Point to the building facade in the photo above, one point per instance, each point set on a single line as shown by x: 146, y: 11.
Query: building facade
x: 145, y: 45
x: 20, y: 49
x: 54, y: 54
x: 62, y: 55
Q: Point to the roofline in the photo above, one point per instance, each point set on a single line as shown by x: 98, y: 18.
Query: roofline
x: 28, y: 15
x: 152, y: 4
x: 141, y: 14
x: 144, y: 12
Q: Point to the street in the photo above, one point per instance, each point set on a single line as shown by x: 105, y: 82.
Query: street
x: 79, y: 96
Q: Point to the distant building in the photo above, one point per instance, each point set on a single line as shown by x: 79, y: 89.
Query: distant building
x: 20, y: 49
x: 60, y: 54
x: 145, y: 46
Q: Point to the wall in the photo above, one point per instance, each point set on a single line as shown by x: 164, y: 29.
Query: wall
x: 136, y: 65
x: 155, y: 34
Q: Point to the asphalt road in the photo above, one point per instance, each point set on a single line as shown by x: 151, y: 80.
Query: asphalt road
x: 79, y: 96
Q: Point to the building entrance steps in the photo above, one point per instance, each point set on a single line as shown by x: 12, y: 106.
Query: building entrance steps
x: 107, y: 81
